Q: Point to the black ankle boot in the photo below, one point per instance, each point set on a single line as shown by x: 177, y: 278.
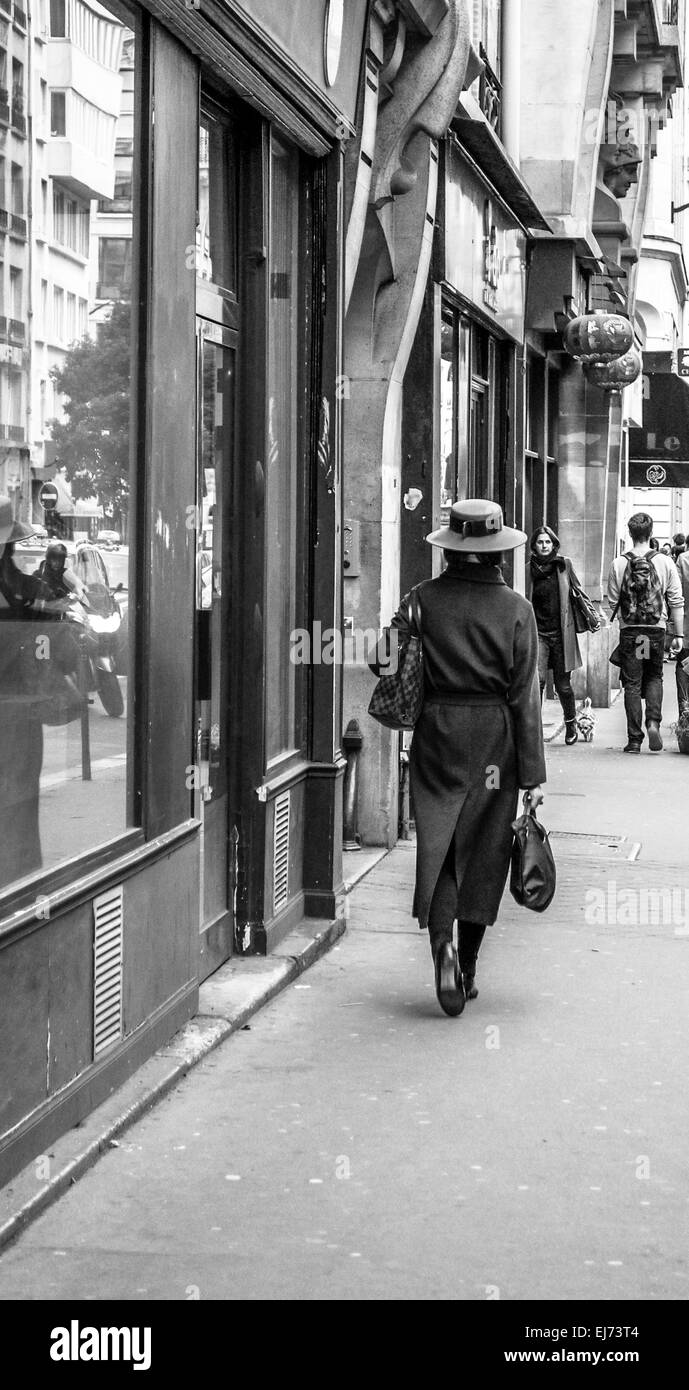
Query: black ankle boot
x: 449, y: 988
x: 571, y: 731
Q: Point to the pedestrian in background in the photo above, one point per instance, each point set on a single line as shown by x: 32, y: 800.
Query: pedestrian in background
x: 681, y: 677
x: 549, y: 581
x: 644, y: 587
x: 679, y: 545
x: 478, y: 739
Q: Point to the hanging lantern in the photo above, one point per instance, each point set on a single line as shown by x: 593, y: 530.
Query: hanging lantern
x: 598, y: 337
x: 616, y: 374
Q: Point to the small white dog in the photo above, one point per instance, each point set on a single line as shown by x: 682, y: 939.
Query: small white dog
x: 586, y: 721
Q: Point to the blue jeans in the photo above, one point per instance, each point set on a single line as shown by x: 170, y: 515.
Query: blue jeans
x: 641, y: 674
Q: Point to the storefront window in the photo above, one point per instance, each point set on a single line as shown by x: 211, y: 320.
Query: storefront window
x: 283, y: 451
x: 216, y: 231
x: 66, y: 674
x: 454, y: 393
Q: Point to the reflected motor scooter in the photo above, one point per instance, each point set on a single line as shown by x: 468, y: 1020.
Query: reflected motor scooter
x: 95, y: 622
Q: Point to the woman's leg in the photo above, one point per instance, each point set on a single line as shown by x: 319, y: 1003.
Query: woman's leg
x: 563, y: 682
x: 543, y: 663
x: 443, y: 909
x: 471, y: 935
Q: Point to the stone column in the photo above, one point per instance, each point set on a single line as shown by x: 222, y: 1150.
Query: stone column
x: 511, y: 77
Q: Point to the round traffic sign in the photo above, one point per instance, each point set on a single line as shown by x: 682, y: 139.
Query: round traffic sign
x: 48, y: 497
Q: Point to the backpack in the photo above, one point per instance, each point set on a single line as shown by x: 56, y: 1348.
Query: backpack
x: 641, y: 598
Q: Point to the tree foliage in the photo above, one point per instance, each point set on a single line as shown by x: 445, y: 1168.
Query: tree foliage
x: 92, y: 441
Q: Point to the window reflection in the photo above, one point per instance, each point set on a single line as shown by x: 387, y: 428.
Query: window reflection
x: 65, y: 669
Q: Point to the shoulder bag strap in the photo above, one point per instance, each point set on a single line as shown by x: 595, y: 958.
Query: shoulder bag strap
x: 613, y: 615
x: 415, y: 613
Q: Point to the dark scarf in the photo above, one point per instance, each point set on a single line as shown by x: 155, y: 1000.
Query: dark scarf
x: 541, y: 568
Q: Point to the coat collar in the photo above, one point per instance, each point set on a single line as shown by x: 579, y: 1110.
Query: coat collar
x: 475, y: 574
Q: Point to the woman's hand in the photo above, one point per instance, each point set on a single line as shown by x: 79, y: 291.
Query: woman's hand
x: 534, y: 797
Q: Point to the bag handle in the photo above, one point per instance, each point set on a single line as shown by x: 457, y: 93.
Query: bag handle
x: 415, y: 613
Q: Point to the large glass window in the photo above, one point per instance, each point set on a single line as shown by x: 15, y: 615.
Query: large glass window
x: 216, y: 239
x: 66, y: 672
x: 283, y: 455
x: 454, y: 407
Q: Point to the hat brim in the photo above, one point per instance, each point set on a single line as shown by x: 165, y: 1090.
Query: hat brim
x: 18, y: 531
x: 506, y: 539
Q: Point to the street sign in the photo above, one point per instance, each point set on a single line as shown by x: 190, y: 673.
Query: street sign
x: 683, y: 361
x: 48, y: 497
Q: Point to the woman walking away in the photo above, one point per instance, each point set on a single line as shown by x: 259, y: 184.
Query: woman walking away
x: 477, y: 741
x: 551, y: 578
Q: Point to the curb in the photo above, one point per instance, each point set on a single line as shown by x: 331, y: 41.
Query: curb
x: 232, y: 1002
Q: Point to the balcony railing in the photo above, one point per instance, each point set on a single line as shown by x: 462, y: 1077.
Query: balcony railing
x: 490, y: 94
x: 3, y: 326
x: 17, y: 331
x: 15, y: 432
x: 4, y: 103
x: 18, y: 225
x: 4, y: 220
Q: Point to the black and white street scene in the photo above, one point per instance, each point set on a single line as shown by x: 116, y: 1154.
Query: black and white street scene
x: 344, y: 664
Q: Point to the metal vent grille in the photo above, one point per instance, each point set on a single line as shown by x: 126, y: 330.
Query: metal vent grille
x: 107, y: 970
x: 281, y: 851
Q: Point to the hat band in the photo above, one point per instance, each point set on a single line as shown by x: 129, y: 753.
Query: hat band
x: 480, y: 526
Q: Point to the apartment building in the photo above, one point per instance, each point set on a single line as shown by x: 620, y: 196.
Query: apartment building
x: 76, y: 98
x: 15, y: 255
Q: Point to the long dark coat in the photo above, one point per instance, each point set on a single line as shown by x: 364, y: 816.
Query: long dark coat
x: 566, y: 576
x: 468, y: 760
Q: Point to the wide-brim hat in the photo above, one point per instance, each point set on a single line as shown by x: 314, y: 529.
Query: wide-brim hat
x: 11, y: 530
x: 477, y: 525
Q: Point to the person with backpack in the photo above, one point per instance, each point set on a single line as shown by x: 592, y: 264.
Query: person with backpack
x: 644, y: 590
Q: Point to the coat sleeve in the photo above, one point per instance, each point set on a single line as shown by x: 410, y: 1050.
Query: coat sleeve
x: 525, y: 702
x: 573, y: 576
x: 384, y: 659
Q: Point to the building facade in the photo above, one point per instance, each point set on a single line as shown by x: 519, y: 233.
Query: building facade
x: 207, y: 820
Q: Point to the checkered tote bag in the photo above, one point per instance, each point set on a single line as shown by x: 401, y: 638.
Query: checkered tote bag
x: 397, y: 700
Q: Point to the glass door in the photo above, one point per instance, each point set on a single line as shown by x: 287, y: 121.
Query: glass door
x: 216, y: 352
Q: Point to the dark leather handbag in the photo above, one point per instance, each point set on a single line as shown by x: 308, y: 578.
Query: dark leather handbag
x: 533, y: 877
x: 397, y: 700
x: 586, y: 617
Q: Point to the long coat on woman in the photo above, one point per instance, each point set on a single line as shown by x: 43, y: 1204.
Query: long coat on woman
x: 479, y: 738
x: 566, y: 576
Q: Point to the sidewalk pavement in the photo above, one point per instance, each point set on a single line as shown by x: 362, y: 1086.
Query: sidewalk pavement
x: 600, y: 809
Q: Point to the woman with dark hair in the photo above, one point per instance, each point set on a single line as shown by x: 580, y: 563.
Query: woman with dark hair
x: 549, y: 581
x: 477, y: 741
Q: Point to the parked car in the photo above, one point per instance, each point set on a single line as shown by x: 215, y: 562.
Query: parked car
x: 108, y: 539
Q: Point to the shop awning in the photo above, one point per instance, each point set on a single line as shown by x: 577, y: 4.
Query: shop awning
x: 479, y: 140
x: 659, y: 451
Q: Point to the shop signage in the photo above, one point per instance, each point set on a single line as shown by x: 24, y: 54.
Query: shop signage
x: 484, y: 249
x: 659, y: 451
x: 683, y: 361
x: 332, y: 65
